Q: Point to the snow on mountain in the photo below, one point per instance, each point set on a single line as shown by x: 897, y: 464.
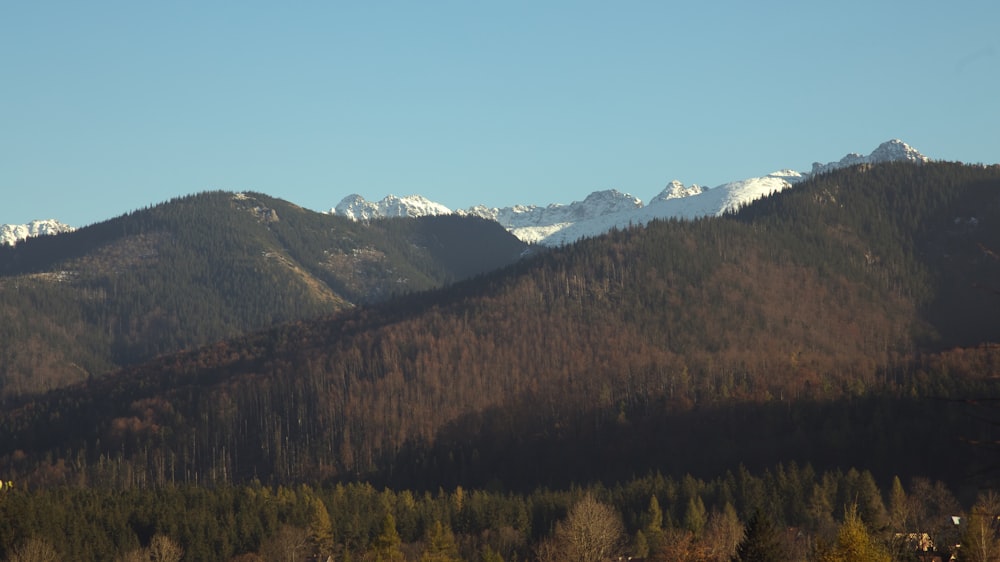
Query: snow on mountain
x: 358, y: 208
x: 671, y: 203
x: 11, y: 234
x: 532, y: 223
x: 556, y: 224
x: 675, y: 190
x: 889, y: 151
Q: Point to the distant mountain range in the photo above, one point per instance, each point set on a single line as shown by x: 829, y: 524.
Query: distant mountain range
x: 557, y: 224
x: 599, y: 212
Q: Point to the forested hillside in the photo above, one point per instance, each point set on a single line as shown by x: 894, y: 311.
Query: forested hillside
x: 208, y: 267
x: 816, y: 326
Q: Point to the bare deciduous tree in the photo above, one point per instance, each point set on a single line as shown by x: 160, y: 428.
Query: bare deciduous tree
x: 163, y: 549
x: 981, y: 539
x: 723, y: 533
x: 591, y: 532
x: 289, y: 544
x: 35, y: 550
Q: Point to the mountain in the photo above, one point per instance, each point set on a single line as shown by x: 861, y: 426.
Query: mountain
x: 529, y: 223
x: 894, y: 150
x: 676, y: 201
x: 355, y: 207
x: 11, y: 234
x: 535, y: 224
x: 557, y: 224
x: 211, y: 266
x: 838, y: 324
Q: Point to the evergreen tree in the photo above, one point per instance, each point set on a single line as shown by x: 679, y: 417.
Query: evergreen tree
x: 854, y: 543
x: 441, y: 545
x: 871, y: 508
x: 321, y: 529
x: 640, y: 546
x: 490, y: 555
x: 761, y: 542
x: 819, y: 511
x: 654, y: 526
x: 899, y: 511
x: 694, y: 516
x: 386, y: 546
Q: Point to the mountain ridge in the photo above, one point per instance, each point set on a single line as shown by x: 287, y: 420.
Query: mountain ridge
x: 558, y: 224
x: 209, y: 266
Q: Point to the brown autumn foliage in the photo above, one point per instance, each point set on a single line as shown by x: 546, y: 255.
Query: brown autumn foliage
x: 794, y: 315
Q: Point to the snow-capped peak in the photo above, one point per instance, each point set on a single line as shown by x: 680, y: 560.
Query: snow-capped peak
x: 604, y: 202
x: 357, y: 207
x: 11, y: 234
x: 603, y: 210
x: 532, y: 223
x: 791, y: 176
x: 890, y: 151
x: 896, y: 150
x: 675, y: 190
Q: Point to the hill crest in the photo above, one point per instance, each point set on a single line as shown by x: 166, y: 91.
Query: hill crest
x: 207, y: 267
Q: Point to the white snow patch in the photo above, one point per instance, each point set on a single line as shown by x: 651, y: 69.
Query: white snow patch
x: 599, y: 212
x: 11, y: 234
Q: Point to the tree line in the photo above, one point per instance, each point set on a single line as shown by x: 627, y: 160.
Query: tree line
x: 788, y: 509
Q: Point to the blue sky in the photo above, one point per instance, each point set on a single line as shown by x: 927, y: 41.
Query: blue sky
x: 106, y: 107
